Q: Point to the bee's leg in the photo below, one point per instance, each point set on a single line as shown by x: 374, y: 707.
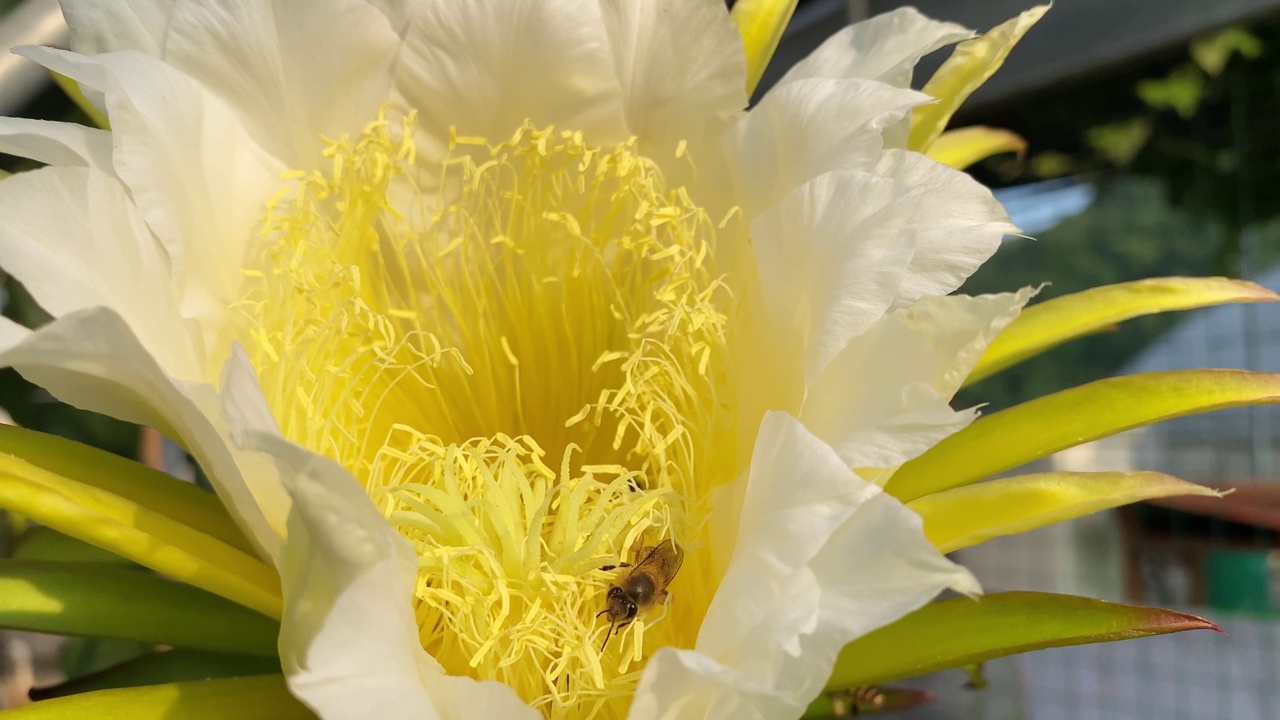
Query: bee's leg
x: 665, y: 606
x: 638, y: 547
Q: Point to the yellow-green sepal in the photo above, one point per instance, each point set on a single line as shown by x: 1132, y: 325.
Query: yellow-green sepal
x: 261, y: 697
x: 1009, y: 438
x: 87, y: 502
x: 966, y: 516
x: 106, y: 601
x: 964, y: 147
x: 971, y: 64
x: 1053, y: 322
x: 761, y: 24
x: 77, y: 96
x: 962, y: 631
x: 164, y: 494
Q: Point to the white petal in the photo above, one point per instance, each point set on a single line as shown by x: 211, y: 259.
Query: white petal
x: 956, y: 230
x: 831, y: 258
x: 91, y: 359
x: 98, y: 27
x: 485, y: 66
x: 822, y: 558
x: 56, y: 143
x: 809, y: 128
x: 75, y: 241
x: 292, y: 69
x: 688, y: 685
x: 348, y: 639
x: 242, y: 399
x: 200, y: 182
x: 11, y: 333
x: 919, y: 357
x: 885, y: 47
x: 681, y: 65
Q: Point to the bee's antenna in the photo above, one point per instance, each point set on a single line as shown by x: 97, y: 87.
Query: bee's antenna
x: 607, y: 636
x: 602, y: 612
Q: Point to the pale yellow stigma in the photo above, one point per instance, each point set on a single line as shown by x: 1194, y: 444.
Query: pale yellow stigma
x: 521, y: 352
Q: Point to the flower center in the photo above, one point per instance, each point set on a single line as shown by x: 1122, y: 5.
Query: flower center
x: 521, y: 352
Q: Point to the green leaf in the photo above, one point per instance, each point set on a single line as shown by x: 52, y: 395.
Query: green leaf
x: 966, y: 516
x: 1182, y: 90
x: 163, y: 667
x: 97, y: 600
x: 263, y: 697
x: 134, y: 531
x: 1000, y: 441
x: 1120, y: 142
x: 761, y: 24
x: 971, y: 64
x: 1053, y: 322
x: 1213, y: 52
x: 42, y: 543
x: 961, y: 631
x: 163, y: 494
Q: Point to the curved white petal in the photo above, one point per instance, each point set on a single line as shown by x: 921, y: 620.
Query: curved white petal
x: 91, y: 359
x: 822, y: 558
x: 98, y: 27
x: 75, y: 241
x: 349, y: 639
x: 808, y: 128
x: 200, y: 182
x: 293, y: 70
x: 919, y: 357
x: 885, y: 48
x: 59, y: 144
x: 959, y: 227
x: 832, y: 256
x: 689, y: 685
x: 485, y: 66
x: 681, y: 66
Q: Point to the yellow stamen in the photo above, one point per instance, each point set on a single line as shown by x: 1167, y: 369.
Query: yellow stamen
x: 446, y: 329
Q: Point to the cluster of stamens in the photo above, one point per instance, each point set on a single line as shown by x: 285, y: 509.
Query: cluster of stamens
x: 520, y: 352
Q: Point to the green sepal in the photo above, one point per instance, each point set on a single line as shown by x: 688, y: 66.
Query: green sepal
x: 962, y: 631
x: 1009, y: 438
x: 90, y: 503
x: 42, y: 543
x: 77, y: 96
x: 107, y: 601
x: 761, y: 24
x: 261, y: 697
x: 158, y: 668
x: 177, y: 500
x: 1048, y: 324
x: 965, y: 516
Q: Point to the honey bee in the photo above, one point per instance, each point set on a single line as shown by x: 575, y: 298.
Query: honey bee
x: 641, y: 584
x: 856, y: 701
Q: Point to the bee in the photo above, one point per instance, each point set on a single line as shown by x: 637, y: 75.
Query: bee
x: 641, y: 584
x: 872, y: 700
x: 858, y: 700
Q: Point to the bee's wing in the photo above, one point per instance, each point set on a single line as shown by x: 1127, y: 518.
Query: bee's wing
x: 663, y: 560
